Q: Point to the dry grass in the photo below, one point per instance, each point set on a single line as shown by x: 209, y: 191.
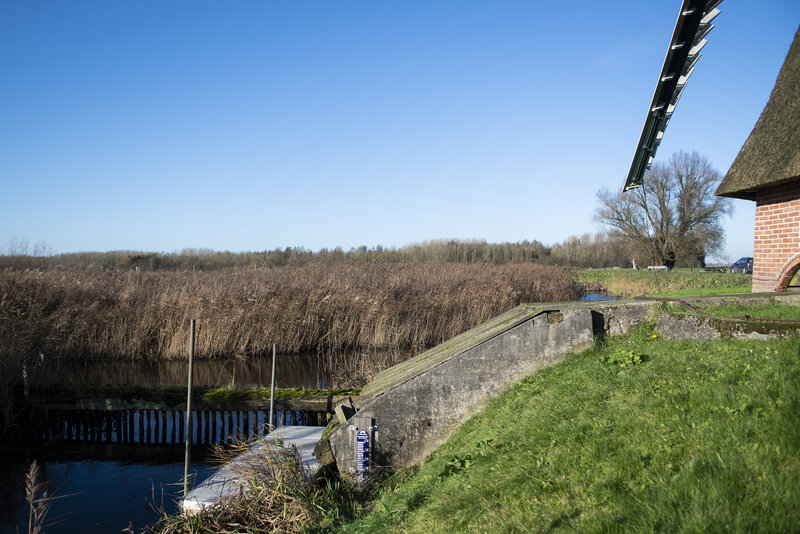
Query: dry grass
x: 271, y: 498
x: 38, y: 499
x: 327, y: 308
x: 278, y: 496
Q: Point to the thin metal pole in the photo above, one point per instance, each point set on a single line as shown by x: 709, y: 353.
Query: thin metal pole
x: 189, y: 413
x: 272, y: 388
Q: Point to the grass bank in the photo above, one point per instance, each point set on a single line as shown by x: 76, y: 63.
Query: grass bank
x: 642, y: 435
x: 768, y: 310
x: 626, y: 283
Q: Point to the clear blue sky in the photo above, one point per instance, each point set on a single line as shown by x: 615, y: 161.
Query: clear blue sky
x: 158, y: 126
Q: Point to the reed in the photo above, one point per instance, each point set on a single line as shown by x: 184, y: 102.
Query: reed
x: 38, y: 499
x: 278, y: 496
x: 96, y: 313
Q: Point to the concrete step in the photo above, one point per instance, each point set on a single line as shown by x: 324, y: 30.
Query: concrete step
x: 231, y: 477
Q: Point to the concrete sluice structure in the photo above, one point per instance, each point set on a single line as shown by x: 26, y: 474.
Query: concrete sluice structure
x: 407, y: 411
x: 410, y: 409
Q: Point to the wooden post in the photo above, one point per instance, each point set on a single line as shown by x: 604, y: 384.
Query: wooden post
x: 189, y: 413
x: 181, y: 421
x: 272, y: 387
x: 141, y: 426
x: 201, y: 424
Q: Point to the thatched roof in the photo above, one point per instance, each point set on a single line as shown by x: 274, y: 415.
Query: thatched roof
x: 771, y: 155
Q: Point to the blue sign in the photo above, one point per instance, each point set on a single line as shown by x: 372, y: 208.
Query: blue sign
x: 362, y: 453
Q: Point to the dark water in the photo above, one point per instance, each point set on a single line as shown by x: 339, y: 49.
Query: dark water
x: 95, y: 495
x: 128, y: 483
x: 597, y: 295
x: 296, y: 370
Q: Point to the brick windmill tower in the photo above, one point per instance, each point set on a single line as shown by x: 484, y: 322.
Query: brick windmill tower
x: 767, y: 171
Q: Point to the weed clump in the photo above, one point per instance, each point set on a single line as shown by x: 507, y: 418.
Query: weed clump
x: 276, y: 495
x: 623, y: 358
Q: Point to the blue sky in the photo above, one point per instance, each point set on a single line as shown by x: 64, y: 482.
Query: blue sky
x: 159, y: 126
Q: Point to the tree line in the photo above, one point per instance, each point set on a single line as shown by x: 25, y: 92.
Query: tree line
x: 588, y: 250
x: 673, y: 219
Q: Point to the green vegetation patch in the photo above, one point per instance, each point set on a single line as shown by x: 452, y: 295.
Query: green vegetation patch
x: 642, y: 434
x: 736, y: 318
x: 705, y: 291
x: 767, y: 310
x: 678, y: 282
x: 173, y: 395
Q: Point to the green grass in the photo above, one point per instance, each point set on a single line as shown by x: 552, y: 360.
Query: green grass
x: 678, y: 282
x: 770, y: 310
x: 642, y: 434
x: 704, y: 292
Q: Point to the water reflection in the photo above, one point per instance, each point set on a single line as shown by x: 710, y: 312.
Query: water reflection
x: 320, y: 371
x: 598, y: 295
x: 296, y: 370
x: 96, y: 496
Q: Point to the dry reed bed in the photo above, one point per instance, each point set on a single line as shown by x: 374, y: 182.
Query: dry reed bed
x: 108, y: 313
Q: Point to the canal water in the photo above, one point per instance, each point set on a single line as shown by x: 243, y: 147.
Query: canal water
x: 597, y: 295
x: 102, y: 488
x: 95, y: 496
x: 294, y: 370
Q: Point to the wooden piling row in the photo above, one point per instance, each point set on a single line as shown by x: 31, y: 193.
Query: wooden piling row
x: 150, y: 426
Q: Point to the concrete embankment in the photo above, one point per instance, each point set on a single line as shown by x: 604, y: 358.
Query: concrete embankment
x: 412, y: 408
x: 415, y: 406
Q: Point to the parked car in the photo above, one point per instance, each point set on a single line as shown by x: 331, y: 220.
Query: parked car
x: 743, y: 265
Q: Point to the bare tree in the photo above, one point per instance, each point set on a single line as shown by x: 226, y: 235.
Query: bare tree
x: 673, y: 216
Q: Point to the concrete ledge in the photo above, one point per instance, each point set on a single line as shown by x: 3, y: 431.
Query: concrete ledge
x: 611, y: 316
x: 700, y: 328
x: 228, y: 480
x: 404, y: 371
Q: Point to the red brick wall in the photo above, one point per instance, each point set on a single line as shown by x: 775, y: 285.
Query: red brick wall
x: 776, y: 251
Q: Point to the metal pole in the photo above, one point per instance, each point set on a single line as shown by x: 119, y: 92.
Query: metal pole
x: 272, y: 388
x: 189, y: 413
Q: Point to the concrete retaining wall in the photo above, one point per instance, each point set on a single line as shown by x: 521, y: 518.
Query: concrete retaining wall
x: 417, y: 412
x: 412, y: 408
